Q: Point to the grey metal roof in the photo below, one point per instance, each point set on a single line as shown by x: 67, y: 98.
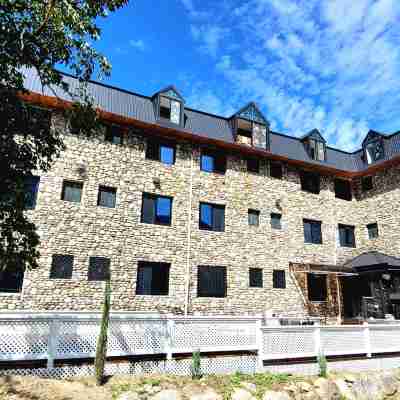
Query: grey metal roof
x: 133, y: 105
x: 372, y: 258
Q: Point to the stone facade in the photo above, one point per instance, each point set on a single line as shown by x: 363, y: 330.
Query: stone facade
x: 84, y: 229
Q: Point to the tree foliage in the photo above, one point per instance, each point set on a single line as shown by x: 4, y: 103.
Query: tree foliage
x: 40, y: 34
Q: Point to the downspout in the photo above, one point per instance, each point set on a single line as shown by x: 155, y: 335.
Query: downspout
x: 189, y: 236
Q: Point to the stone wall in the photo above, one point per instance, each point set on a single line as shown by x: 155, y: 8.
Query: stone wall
x: 85, y: 229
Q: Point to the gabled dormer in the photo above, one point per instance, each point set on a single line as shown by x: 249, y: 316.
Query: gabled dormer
x: 373, y: 147
x: 250, y: 127
x: 169, y: 106
x: 315, y: 145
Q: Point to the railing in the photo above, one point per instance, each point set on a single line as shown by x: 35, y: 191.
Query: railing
x: 70, y: 336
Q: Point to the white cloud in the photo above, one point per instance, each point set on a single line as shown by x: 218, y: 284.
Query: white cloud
x: 210, y: 37
x: 193, y: 11
x: 137, y: 44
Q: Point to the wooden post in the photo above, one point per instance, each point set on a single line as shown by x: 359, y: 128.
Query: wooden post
x: 317, y: 340
x: 367, y: 340
x: 169, y: 338
x: 52, y: 343
x: 259, y: 344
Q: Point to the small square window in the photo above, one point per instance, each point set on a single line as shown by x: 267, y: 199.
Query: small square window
x: 106, y: 197
x: 161, y: 151
x: 253, y: 165
x: 156, y: 209
x: 275, y: 170
x: 373, y: 231
x: 279, y: 279
x: 276, y: 221
x: 72, y: 191
x: 99, y: 269
x: 343, y: 189
x: 254, y: 217
x: 11, y: 281
x: 312, y: 231
x: 31, y: 188
x: 256, y: 277
x: 114, y: 134
x: 317, y: 287
x: 211, y: 281
x: 213, y: 162
x: 212, y: 217
x: 346, y: 236
x: 367, y: 183
x: 152, y: 278
x: 310, y: 182
x: 61, y: 266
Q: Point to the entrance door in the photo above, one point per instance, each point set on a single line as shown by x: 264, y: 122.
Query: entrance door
x: 354, y: 288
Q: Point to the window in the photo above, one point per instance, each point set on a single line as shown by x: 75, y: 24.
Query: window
x: 256, y: 277
x: 317, y: 287
x: 61, y: 266
x: 213, y: 162
x: 170, y: 109
x: 152, y: 278
x: 367, y: 183
x: 156, y: 209
x: 316, y: 149
x: 31, y: 187
x: 310, y: 182
x: 276, y: 221
x: 373, y: 231
x: 212, y: 217
x: 275, y: 170
x: 254, y: 217
x: 72, y: 191
x: 346, y: 236
x: 211, y: 281
x: 279, y: 279
x: 312, y: 231
x: 114, y: 134
x: 106, y: 197
x: 99, y: 269
x: 253, y: 165
x: 160, y: 151
x: 11, y: 280
x: 374, y: 150
x: 343, y: 189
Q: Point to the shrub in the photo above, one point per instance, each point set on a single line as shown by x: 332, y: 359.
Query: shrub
x: 322, y: 364
x: 196, y: 367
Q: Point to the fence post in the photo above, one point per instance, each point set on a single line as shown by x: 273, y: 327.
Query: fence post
x: 170, y: 335
x: 317, y: 340
x: 367, y: 339
x: 52, y: 342
x: 260, y: 347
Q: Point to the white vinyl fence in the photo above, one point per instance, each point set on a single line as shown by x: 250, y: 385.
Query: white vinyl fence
x: 71, y: 336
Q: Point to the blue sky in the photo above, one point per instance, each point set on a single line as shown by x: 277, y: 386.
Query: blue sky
x: 308, y: 63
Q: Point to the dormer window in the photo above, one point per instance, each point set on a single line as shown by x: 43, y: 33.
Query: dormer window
x: 168, y: 105
x: 373, y: 147
x: 250, y: 127
x: 315, y: 145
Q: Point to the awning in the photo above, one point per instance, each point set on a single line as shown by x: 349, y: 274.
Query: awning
x: 373, y: 261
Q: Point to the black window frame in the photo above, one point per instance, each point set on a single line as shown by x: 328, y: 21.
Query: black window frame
x: 310, y: 182
x: 253, y: 165
x: 158, y: 270
x: 343, y: 189
x: 154, y: 148
x: 31, y: 190
x: 96, y: 275
x: 318, y: 293
x: 252, y: 213
x: 373, y: 230
x: 313, y: 235
x: 155, y: 219
x: 313, y: 147
x: 213, y: 287
x: 17, y: 275
x: 216, y: 226
x: 275, y: 170
x: 367, y: 183
x: 256, y: 278
x: 76, y: 184
x: 112, y: 132
x: 106, y: 189
x: 276, y: 221
x: 220, y: 161
x: 62, y: 266
x: 279, y: 279
x: 347, y: 235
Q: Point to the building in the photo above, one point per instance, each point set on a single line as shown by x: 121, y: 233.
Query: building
x: 190, y: 212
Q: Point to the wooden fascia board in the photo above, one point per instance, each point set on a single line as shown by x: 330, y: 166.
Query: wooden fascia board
x: 53, y: 102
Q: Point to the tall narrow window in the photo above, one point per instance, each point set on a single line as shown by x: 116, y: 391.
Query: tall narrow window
x: 99, y: 269
x: 276, y: 221
x: 312, y: 231
x: 170, y: 109
x: 156, y: 209
x: 212, y: 217
x: 61, y: 266
x: 72, y: 191
x: 316, y: 149
x: 343, y: 189
x: 152, y: 278
x: 317, y: 287
x: 373, y: 231
x: 160, y: 151
x: 310, y: 182
x: 254, y: 217
x: 31, y: 188
x: 346, y: 236
x: 275, y: 170
x: 106, y: 196
x: 256, y: 277
x: 211, y: 281
x: 11, y: 280
x: 114, y: 134
x: 213, y: 162
x: 279, y: 279
x: 244, y: 132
